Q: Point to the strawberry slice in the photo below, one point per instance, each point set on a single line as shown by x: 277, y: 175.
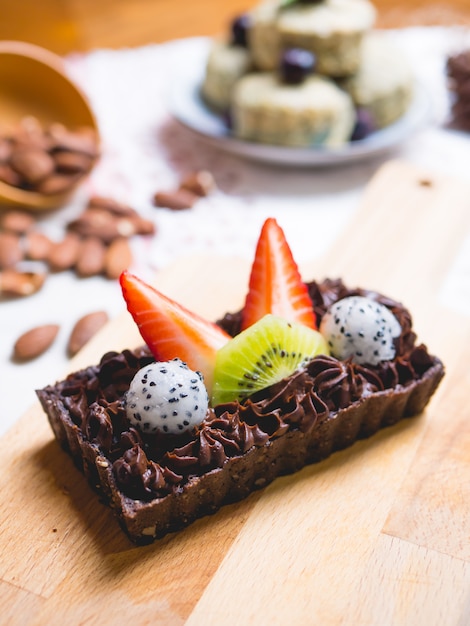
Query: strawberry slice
x: 170, y: 330
x: 275, y: 283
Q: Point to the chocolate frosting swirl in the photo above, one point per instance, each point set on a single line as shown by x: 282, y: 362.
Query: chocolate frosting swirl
x: 290, y: 403
x: 340, y: 383
x: 143, y: 479
x: 97, y: 426
x: 218, y: 439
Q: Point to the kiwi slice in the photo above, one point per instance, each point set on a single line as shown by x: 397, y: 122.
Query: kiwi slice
x: 261, y: 355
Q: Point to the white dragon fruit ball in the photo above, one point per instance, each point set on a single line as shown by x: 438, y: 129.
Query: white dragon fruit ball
x: 360, y: 328
x: 167, y: 397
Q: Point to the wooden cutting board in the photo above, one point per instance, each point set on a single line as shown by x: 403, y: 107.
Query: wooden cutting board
x: 376, y: 535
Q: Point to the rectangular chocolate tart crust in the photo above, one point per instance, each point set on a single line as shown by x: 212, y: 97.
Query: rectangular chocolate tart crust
x: 201, y: 495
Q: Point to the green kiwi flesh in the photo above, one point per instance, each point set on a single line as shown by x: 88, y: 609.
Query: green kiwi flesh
x: 262, y: 355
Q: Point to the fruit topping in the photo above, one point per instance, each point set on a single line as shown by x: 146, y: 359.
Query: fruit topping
x: 275, y: 283
x: 166, y: 397
x: 364, y: 125
x: 360, y: 328
x: 296, y: 65
x: 263, y: 354
x: 240, y: 27
x: 170, y: 330
x: 288, y: 3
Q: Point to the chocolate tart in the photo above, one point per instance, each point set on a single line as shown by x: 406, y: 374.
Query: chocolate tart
x: 159, y: 484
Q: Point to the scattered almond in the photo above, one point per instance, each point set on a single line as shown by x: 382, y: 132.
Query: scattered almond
x: 192, y: 187
x: 103, y: 221
x: 84, y: 330
x: 14, y: 283
x: 37, y: 246
x: 118, y: 258
x: 95, y: 222
x: 111, y: 205
x: 90, y: 261
x: 34, y: 342
x: 18, y: 222
x: 126, y: 227
x: 176, y: 200
x: 110, y: 223
x: 11, y: 251
x: 64, y: 254
x: 143, y: 226
x: 200, y: 183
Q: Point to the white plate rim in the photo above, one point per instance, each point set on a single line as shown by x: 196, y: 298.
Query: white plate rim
x: 187, y: 106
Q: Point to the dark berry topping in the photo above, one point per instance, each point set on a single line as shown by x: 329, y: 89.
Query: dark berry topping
x: 289, y: 3
x: 296, y: 64
x: 227, y: 118
x: 364, y: 125
x: 240, y: 27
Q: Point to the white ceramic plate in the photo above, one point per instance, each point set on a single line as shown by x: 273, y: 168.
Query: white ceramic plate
x: 189, y: 109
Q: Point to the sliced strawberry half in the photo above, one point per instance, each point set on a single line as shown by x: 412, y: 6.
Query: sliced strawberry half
x: 170, y: 330
x: 275, y: 283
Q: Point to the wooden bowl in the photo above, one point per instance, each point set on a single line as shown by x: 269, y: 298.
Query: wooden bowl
x: 33, y: 82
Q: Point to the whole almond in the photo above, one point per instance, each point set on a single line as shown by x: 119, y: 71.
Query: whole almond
x: 143, y: 226
x: 64, y: 254
x: 97, y: 222
x: 37, y: 246
x: 126, y: 226
x: 176, y: 200
x: 14, y: 283
x: 5, y: 150
x: 57, y: 183
x: 83, y: 140
x: 84, y: 330
x: 30, y: 133
x: 18, y: 222
x: 72, y: 162
x: 11, y: 250
x: 9, y: 176
x: 111, y: 205
x: 200, y: 183
x: 34, y: 342
x: 33, y: 164
x: 91, y: 259
x: 118, y: 258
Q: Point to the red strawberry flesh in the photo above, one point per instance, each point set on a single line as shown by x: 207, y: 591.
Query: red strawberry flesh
x: 170, y: 330
x: 275, y: 283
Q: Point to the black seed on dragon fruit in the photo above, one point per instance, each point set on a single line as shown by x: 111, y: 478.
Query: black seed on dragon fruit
x: 166, y: 397
x: 360, y: 328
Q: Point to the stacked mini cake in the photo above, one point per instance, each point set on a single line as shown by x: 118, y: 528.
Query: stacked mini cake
x: 307, y: 73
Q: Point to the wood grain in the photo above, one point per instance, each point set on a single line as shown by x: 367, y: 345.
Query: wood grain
x: 377, y: 534
x: 70, y: 25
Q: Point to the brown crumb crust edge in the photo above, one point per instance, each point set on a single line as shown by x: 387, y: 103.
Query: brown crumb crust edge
x: 239, y: 476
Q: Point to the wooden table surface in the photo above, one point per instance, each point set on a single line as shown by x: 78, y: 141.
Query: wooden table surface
x: 67, y: 25
x: 376, y: 535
